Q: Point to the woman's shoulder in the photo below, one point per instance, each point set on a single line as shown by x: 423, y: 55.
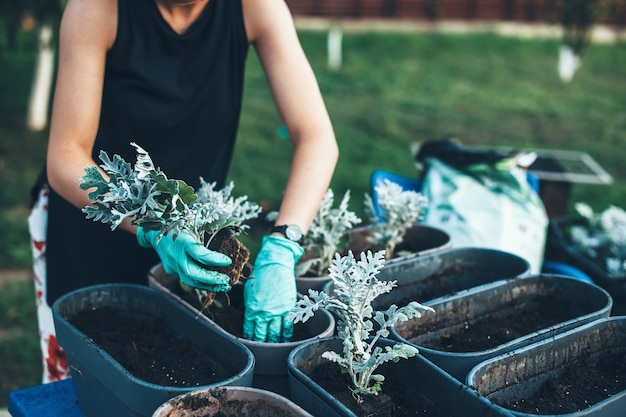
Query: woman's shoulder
x: 90, y: 9
x: 91, y: 18
x: 263, y: 16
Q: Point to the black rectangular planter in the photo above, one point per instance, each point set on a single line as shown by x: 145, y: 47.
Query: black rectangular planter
x: 429, y: 277
x: 511, y: 377
x: 579, y: 303
x: 427, y: 386
x: 103, y: 386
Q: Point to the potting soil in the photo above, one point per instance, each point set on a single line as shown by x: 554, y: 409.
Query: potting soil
x: 148, y: 348
x: 583, y: 383
x: 392, y: 401
x: 513, y: 320
x: 218, y: 404
x: 227, y: 310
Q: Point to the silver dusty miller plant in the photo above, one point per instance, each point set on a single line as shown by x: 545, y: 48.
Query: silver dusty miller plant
x: 355, y: 287
x: 327, y: 234
x: 602, y: 239
x: 400, y: 210
x: 149, y: 199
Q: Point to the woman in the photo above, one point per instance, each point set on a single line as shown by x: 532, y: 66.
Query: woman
x: 168, y: 75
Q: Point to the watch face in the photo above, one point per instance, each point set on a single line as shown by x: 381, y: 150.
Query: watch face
x: 293, y: 232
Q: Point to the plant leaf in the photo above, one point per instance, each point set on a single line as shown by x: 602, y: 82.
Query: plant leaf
x: 93, y: 179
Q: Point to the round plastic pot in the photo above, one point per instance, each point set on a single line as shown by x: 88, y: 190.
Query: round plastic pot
x: 419, y: 240
x: 581, y: 301
x: 270, y: 370
x: 521, y: 373
x: 306, y: 283
x: 103, y: 386
x: 230, y: 401
x: 436, y: 392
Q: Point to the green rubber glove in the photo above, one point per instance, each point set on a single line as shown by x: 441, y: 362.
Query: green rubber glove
x: 271, y: 292
x: 184, y: 258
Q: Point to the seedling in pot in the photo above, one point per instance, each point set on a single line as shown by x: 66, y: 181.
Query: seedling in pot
x: 401, y: 209
x: 355, y: 287
x: 602, y: 239
x: 146, y: 196
x: 327, y: 235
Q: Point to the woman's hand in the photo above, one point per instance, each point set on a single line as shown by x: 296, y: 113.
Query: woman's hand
x: 271, y: 291
x: 187, y: 260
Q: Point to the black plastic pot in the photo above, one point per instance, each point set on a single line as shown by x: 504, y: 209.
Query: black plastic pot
x: 559, y: 249
x: 431, y: 390
x: 515, y: 376
x: 432, y: 276
x: 103, y: 386
x: 270, y: 370
x: 420, y: 240
x: 230, y: 401
x: 578, y: 303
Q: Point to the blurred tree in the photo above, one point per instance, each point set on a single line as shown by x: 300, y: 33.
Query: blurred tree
x: 47, y: 15
x: 10, y: 23
x: 432, y: 10
x: 44, y: 16
x: 577, y: 19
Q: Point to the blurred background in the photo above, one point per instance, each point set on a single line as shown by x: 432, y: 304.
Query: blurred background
x: 525, y: 74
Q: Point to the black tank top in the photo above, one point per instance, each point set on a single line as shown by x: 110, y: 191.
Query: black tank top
x: 179, y: 97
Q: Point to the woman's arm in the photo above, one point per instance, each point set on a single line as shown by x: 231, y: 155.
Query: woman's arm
x: 271, y: 292
x: 88, y: 30
x: 271, y: 29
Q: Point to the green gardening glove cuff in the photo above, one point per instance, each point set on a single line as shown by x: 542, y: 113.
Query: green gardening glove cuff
x: 270, y: 293
x: 186, y: 259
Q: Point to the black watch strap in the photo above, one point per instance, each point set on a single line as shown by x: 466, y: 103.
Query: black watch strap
x: 290, y: 231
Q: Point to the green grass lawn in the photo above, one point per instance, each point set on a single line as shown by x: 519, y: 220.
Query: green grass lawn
x: 395, y: 89
x: 392, y: 90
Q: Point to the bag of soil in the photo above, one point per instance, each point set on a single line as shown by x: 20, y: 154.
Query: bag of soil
x: 483, y: 199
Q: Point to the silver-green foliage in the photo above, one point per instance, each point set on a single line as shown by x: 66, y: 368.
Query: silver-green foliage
x: 400, y: 210
x: 355, y: 287
x: 149, y: 199
x: 602, y: 238
x: 327, y: 234
x: 215, y: 210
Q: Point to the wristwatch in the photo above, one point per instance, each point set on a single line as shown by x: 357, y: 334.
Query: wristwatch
x: 290, y: 231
